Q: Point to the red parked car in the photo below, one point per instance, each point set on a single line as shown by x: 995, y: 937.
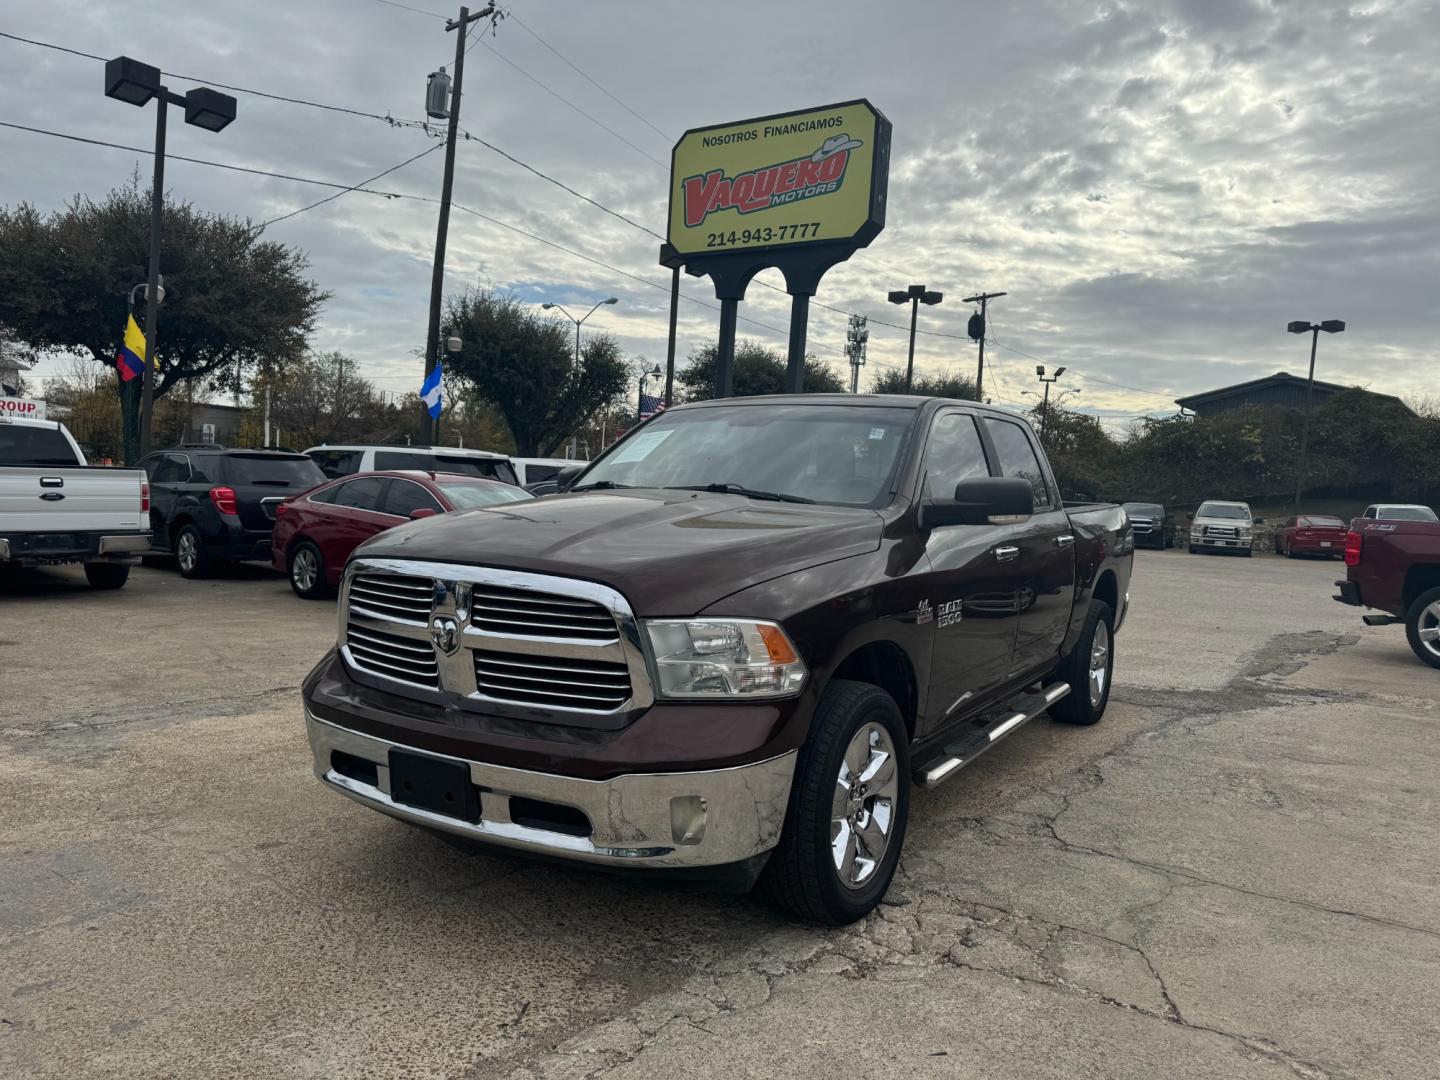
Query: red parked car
x: 1311, y: 534
x: 315, y: 532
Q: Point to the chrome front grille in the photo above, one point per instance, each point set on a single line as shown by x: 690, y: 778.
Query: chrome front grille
x: 532, y: 646
x: 601, y: 685
x: 392, y: 656
x: 1228, y: 531
x: 393, y: 596
x: 1142, y: 525
x: 522, y: 613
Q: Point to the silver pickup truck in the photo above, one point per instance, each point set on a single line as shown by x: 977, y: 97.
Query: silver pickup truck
x: 54, y: 508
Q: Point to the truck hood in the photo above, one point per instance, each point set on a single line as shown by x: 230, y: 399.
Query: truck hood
x: 1247, y: 523
x: 667, y: 552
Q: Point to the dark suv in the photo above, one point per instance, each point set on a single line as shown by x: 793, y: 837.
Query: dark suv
x: 209, y: 504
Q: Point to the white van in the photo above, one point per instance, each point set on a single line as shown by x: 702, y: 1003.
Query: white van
x: 335, y: 461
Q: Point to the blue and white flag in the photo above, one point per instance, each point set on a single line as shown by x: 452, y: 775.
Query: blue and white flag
x: 430, y: 390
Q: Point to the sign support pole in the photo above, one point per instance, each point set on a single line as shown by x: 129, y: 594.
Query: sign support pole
x: 799, y: 318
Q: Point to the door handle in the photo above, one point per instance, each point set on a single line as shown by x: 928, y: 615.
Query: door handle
x: 1006, y: 553
x: 1064, y: 541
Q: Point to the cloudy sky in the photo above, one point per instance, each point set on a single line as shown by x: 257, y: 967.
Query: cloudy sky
x: 1158, y: 186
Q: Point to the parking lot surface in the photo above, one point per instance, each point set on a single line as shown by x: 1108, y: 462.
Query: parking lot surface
x: 1233, y: 875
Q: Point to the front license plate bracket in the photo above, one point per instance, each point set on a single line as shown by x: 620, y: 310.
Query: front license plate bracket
x: 426, y: 783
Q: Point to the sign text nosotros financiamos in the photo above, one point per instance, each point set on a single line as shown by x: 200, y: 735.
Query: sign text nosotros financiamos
x: 819, y: 173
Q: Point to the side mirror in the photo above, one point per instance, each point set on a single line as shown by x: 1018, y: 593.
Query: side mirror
x: 566, y: 476
x: 421, y: 512
x: 985, y: 500
x: 1259, y: 521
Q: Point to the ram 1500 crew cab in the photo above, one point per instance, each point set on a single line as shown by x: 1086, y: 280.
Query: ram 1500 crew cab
x: 728, y: 648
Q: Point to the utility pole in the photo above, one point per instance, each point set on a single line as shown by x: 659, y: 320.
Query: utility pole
x: 977, y: 333
x: 855, y: 339
x: 437, y: 275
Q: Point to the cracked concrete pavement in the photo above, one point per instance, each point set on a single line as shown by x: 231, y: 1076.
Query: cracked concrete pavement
x: 1233, y: 875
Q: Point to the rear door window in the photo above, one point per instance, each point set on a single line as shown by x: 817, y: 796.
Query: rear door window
x: 404, y: 459
x: 361, y: 494
x: 337, y: 463
x: 406, y: 496
x: 489, y: 468
x: 1017, y: 457
x: 170, y: 469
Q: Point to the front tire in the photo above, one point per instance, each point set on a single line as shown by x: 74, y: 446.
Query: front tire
x: 307, y: 572
x: 1088, y: 669
x: 103, y: 575
x: 190, y: 557
x: 849, y: 805
x: 1422, y: 627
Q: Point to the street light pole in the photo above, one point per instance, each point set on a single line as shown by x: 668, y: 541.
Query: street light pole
x: 1045, y: 407
x: 580, y: 321
x: 135, y: 83
x: 916, y: 295
x: 1330, y: 326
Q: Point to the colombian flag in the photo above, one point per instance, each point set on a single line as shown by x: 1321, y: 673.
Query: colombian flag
x: 130, y: 362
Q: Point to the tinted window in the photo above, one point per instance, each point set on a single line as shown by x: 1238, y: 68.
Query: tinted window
x: 489, y: 468
x: 1323, y: 522
x: 838, y: 454
x: 34, y: 446
x: 953, y: 454
x: 170, y: 469
x: 327, y: 495
x: 465, y: 496
x: 273, y: 470
x: 404, y: 496
x: 403, y: 459
x: 362, y: 494
x: 1146, y: 510
x: 535, y: 474
x: 335, y: 463
x: 1017, y: 457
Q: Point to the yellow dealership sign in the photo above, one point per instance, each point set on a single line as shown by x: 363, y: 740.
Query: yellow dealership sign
x: 818, y: 176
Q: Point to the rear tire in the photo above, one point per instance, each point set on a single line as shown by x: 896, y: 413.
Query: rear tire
x: 307, y: 572
x: 1422, y: 627
x: 102, y: 575
x: 1088, y: 669
x: 852, y: 779
x: 190, y: 557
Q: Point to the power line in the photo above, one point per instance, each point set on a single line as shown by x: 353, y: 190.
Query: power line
x: 583, y: 75
x: 1081, y: 374
x: 416, y: 10
x: 358, y: 187
x: 561, y: 97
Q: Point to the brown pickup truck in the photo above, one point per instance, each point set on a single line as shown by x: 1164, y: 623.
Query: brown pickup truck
x: 1394, y: 567
x: 728, y: 647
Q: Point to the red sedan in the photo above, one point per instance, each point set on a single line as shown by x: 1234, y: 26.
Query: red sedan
x: 315, y: 532
x: 1311, y: 534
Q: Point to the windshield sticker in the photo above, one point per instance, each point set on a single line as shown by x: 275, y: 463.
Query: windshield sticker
x: 638, y: 448
x: 877, y: 433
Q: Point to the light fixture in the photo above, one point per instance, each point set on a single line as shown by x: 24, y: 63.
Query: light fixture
x: 131, y: 81
x: 209, y: 109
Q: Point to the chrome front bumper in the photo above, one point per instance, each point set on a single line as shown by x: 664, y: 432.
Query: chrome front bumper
x: 1228, y: 543
x: 683, y: 819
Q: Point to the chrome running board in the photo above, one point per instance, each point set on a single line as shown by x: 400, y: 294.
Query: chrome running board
x: 986, y: 731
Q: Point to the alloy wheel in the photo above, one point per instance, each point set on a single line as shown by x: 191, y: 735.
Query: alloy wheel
x: 1428, y: 630
x: 186, y: 553
x: 1099, y: 663
x: 862, y: 812
x: 303, y: 570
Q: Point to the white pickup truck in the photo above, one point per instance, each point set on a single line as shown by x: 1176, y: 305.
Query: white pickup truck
x: 55, y: 509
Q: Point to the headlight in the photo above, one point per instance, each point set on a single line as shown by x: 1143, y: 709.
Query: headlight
x: 723, y: 658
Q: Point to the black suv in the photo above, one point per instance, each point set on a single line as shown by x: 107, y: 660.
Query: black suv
x: 209, y: 504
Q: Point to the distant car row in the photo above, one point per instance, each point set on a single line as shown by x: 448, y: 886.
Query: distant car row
x: 205, y: 504
x: 1229, y: 526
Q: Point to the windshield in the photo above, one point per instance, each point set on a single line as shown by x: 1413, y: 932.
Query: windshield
x: 842, y: 455
x: 35, y: 446
x: 271, y: 470
x: 1406, y: 513
x: 1221, y: 510
x: 467, y: 496
x: 1144, y: 509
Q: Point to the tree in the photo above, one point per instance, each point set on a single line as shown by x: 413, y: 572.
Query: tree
x: 947, y: 384
x: 758, y: 370
x: 524, y: 365
x: 232, y: 300
x: 319, y: 399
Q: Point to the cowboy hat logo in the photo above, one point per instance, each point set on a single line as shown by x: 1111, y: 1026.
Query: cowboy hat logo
x: 819, y: 173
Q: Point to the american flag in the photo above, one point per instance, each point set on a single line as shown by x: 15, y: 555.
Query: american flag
x: 649, y: 406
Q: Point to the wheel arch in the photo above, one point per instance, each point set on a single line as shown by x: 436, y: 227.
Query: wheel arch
x: 1107, y: 588
x: 885, y: 664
